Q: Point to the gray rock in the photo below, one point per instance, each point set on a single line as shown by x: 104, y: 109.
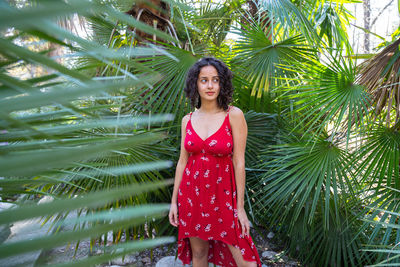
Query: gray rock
x: 127, y: 260
x: 169, y: 262
x: 6, y: 205
x: 268, y: 255
x: 45, y: 199
x: 24, y: 230
x: 110, y: 236
x: 146, y: 260
x: 270, y: 235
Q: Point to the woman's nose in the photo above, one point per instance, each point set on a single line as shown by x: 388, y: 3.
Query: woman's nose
x: 210, y: 84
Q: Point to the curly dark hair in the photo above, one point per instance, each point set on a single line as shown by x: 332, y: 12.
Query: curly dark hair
x: 225, y: 82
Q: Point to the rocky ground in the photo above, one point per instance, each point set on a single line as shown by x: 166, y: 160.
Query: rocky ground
x: 270, y: 253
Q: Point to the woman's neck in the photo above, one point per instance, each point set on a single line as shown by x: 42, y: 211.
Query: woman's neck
x: 209, y: 107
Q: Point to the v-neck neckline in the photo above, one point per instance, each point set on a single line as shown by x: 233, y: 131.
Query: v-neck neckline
x: 204, y: 140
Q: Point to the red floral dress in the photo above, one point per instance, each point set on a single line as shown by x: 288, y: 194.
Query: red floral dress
x: 207, y: 199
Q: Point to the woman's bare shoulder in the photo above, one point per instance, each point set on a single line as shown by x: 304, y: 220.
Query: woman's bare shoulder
x: 186, y: 117
x: 236, y: 113
x: 185, y: 120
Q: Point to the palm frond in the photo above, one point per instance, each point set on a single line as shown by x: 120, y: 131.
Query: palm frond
x: 328, y: 94
x: 62, y: 132
x: 381, y: 76
x: 285, y: 13
x: 257, y: 61
x: 311, y: 174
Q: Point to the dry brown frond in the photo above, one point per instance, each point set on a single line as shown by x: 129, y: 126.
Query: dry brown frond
x: 380, y: 77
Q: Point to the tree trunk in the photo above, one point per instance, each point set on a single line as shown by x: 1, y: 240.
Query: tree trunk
x: 367, y: 24
x: 150, y: 15
x: 252, y: 8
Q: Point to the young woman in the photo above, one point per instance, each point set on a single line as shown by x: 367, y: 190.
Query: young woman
x: 208, y: 197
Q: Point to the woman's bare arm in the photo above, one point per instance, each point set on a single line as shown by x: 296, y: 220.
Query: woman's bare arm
x: 183, y: 158
x: 239, y: 133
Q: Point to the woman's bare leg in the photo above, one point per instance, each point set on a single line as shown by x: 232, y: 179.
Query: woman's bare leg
x: 199, y: 252
x: 237, y: 256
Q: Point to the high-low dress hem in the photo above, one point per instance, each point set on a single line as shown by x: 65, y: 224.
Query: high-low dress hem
x: 188, y: 262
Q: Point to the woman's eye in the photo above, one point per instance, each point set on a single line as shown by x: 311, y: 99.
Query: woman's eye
x: 216, y: 80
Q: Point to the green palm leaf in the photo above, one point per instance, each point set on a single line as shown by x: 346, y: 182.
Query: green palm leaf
x: 311, y: 174
x: 328, y: 94
x: 62, y: 133
x: 167, y: 96
x: 287, y: 14
x: 257, y: 60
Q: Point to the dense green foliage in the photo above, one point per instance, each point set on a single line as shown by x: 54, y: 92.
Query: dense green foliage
x: 322, y: 154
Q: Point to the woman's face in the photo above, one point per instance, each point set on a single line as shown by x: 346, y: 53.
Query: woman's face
x: 208, y: 83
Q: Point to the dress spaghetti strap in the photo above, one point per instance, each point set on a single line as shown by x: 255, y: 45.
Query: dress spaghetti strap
x: 229, y: 108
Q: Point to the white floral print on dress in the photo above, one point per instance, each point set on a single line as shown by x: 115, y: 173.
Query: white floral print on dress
x: 228, y: 132
x: 212, y: 199
x: 182, y: 222
x: 205, y: 158
x: 213, y: 142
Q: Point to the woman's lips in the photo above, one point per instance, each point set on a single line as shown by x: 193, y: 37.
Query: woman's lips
x: 210, y: 93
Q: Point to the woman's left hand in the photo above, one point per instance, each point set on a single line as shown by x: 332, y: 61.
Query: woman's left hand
x: 244, y: 222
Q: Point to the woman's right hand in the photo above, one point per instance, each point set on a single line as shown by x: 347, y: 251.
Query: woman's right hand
x: 173, y: 215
